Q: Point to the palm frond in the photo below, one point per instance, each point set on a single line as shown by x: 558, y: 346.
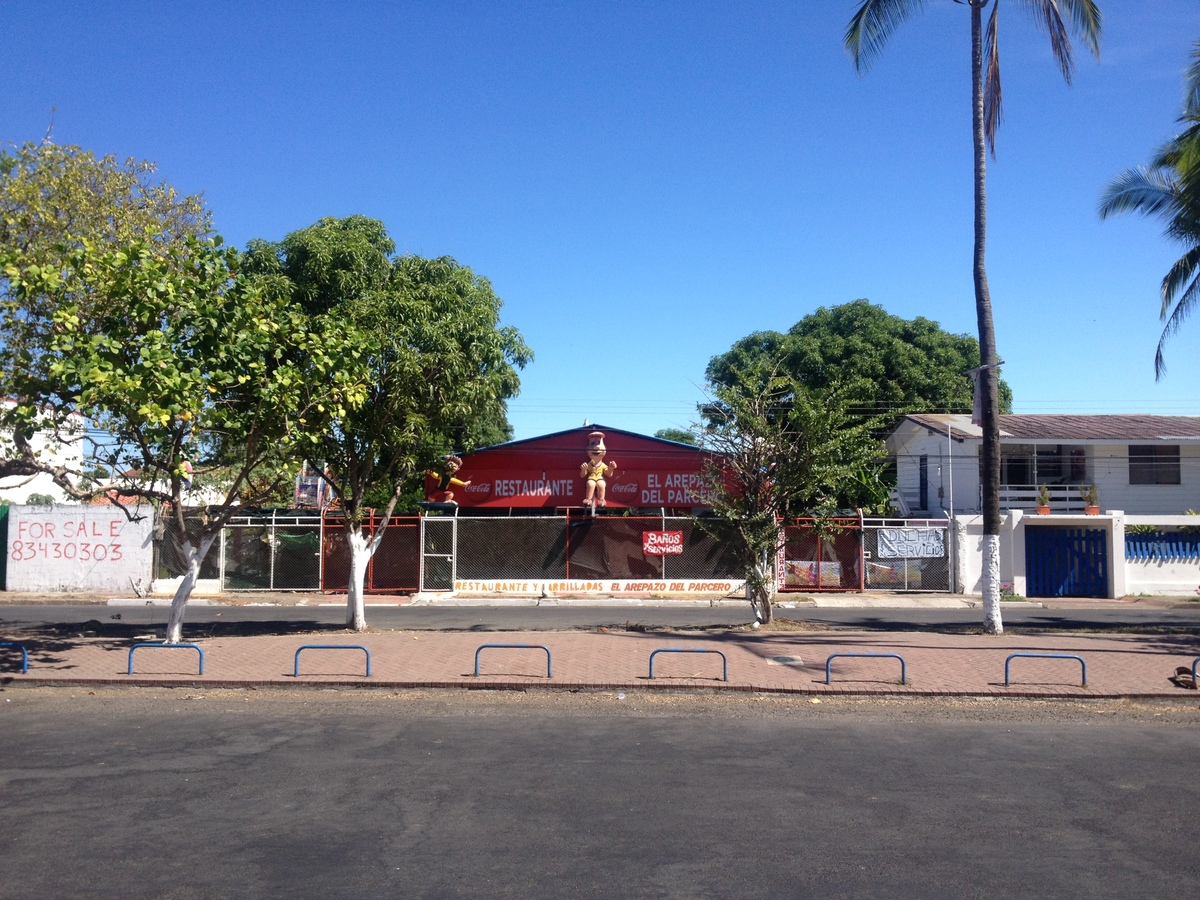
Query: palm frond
x: 872, y: 25
x: 1087, y: 21
x: 1183, y: 308
x: 1152, y: 192
x: 992, y: 100
x: 1191, y: 84
x: 1047, y: 16
x: 1182, y: 272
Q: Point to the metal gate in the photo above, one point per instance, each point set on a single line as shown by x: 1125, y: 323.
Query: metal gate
x: 1066, y: 562
x: 907, y: 554
x: 822, y: 555
x: 439, y: 538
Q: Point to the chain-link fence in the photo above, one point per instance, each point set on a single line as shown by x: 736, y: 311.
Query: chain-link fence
x: 822, y: 555
x: 585, y: 547
x: 299, y: 550
x: 394, y: 568
x: 907, y: 554
x: 271, y: 550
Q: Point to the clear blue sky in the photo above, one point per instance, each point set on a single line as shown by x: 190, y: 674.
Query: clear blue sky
x: 646, y: 182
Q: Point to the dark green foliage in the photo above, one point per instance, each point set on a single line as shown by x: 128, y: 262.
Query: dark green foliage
x: 676, y: 434
x: 881, y: 365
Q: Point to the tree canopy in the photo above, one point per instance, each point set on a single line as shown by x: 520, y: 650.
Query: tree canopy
x: 187, y: 369
x: 881, y: 365
x: 678, y: 435
x: 780, y: 449
x: 438, y: 364
x: 56, y: 202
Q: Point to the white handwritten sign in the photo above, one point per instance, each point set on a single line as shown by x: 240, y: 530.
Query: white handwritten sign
x: 911, y: 543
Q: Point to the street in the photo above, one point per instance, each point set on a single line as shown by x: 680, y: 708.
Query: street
x: 178, y: 793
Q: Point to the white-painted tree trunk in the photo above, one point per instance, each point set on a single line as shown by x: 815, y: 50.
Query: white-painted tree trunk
x: 361, y: 551
x: 194, y: 554
x: 762, y: 593
x: 992, y: 622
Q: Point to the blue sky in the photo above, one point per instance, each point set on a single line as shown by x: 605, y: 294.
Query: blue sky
x: 645, y: 183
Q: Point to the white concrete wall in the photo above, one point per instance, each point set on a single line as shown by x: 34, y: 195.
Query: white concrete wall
x: 1164, y: 579
x: 1170, y: 578
x: 78, y: 548
x: 968, y: 555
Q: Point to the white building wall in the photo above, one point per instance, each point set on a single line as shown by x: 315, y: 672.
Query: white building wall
x: 1111, y: 467
x: 962, y: 469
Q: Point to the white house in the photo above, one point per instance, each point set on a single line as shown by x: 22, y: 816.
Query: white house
x: 1143, y: 465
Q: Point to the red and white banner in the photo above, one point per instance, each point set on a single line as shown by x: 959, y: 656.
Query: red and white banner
x: 662, y: 543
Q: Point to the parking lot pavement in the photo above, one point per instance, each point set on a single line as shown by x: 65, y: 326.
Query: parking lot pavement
x: 1117, y: 666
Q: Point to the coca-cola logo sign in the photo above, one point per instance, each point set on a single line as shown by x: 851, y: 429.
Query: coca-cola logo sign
x: 662, y: 543
x: 624, y: 488
x: 483, y: 488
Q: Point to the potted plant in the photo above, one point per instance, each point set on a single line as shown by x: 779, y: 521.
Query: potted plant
x: 1043, y: 501
x: 1091, y: 499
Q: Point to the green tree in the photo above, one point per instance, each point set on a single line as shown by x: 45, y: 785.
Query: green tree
x: 778, y: 449
x: 883, y: 365
x: 1169, y: 188
x: 439, y: 368
x: 187, y: 368
x: 868, y: 32
x: 678, y: 435
x: 53, y: 201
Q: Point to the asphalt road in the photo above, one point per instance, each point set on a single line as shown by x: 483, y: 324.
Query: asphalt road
x: 179, y: 794
x: 276, y: 619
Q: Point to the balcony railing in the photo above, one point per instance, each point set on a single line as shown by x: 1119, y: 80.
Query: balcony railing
x: 1064, y: 498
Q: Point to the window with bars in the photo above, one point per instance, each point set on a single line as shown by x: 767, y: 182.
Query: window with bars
x: 1153, y: 464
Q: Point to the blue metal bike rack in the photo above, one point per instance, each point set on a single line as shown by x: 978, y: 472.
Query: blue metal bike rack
x: 1078, y: 659
x: 25, y: 654
x: 1195, y: 663
x: 833, y: 656
x: 724, y: 661
x: 195, y: 647
x: 296, y: 673
x: 549, y: 661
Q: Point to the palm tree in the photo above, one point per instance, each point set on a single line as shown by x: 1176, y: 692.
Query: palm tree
x: 868, y: 32
x: 1170, y: 189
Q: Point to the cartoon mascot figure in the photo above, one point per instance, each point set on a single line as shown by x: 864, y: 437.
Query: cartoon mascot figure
x: 594, y: 471
x: 446, y: 481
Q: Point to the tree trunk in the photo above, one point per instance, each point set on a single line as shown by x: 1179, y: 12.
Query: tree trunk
x: 760, y: 591
x: 989, y: 374
x: 361, y: 549
x: 194, y: 554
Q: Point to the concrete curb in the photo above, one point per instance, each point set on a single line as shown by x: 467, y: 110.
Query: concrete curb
x: 316, y: 683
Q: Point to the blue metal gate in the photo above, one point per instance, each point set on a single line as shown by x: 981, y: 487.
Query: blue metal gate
x: 1066, y: 562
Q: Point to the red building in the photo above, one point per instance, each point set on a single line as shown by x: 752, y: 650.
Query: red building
x: 543, y: 473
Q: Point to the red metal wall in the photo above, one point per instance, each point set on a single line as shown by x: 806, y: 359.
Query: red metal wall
x: 543, y: 472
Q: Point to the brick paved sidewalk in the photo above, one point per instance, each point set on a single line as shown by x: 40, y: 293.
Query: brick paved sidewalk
x: 935, y: 664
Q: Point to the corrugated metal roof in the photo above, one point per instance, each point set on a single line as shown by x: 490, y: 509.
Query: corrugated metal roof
x: 1056, y: 428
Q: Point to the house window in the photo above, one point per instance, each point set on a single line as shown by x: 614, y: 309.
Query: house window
x: 1153, y: 464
